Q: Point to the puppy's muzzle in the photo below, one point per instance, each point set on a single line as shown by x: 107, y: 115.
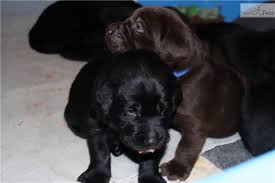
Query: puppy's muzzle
x: 147, y: 141
x: 116, y: 38
x: 114, y: 30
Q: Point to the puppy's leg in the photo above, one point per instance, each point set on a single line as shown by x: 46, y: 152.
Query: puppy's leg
x: 99, y: 170
x: 187, y: 152
x: 149, y: 169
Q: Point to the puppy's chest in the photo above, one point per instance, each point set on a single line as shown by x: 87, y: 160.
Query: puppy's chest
x: 195, y: 83
x: 196, y: 89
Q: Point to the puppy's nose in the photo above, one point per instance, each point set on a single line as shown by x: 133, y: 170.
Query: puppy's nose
x: 150, y: 142
x: 153, y: 140
x: 113, y: 30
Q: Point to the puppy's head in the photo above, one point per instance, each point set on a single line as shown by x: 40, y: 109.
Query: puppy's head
x: 138, y: 98
x: 158, y: 29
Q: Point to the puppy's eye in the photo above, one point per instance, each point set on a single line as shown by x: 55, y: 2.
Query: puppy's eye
x: 131, y: 113
x: 139, y: 25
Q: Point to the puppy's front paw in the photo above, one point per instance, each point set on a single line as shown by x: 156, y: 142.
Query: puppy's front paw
x: 93, y: 176
x: 174, y: 170
x: 151, y: 179
x: 116, y: 149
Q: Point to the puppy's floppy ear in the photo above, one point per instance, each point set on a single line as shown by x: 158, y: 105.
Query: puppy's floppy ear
x: 177, y: 42
x: 163, y: 32
x: 104, y: 98
x: 174, y: 42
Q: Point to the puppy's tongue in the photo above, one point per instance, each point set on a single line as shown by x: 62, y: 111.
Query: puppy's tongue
x: 147, y: 151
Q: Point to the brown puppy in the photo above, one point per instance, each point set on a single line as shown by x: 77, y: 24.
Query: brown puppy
x: 212, y: 92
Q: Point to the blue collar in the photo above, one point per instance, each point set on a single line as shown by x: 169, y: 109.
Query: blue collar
x: 178, y: 74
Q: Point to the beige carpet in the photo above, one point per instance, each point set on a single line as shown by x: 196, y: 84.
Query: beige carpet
x: 36, y: 145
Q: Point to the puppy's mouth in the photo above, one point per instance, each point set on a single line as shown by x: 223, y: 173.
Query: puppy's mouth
x: 143, y: 149
x: 147, y: 151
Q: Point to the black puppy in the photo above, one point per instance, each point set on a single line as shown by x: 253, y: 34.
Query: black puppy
x: 129, y: 99
x: 258, y: 126
x: 76, y: 29
x: 253, y: 54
